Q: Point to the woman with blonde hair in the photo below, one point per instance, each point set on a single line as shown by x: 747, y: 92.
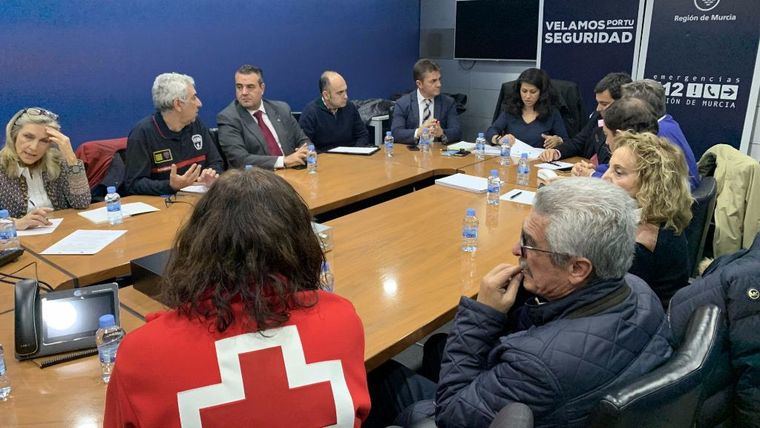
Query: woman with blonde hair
x: 654, y: 172
x: 39, y: 171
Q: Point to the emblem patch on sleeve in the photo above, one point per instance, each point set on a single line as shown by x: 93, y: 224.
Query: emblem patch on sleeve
x: 197, y: 141
x: 162, y: 156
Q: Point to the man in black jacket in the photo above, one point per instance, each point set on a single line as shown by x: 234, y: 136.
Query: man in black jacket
x: 171, y: 148
x: 589, y: 142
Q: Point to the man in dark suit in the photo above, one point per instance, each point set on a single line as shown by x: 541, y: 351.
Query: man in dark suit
x: 255, y: 131
x: 426, y: 108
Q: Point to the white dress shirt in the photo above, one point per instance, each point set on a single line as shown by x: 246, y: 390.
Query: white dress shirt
x: 280, y: 163
x: 421, y: 106
x: 38, y: 197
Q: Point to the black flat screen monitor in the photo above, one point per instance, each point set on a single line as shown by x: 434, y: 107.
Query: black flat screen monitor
x: 496, y: 29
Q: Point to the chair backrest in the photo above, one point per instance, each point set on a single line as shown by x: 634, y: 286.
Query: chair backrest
x: 570, y: 103
x: 702, y: 211
x: 671, y: 395
x: 214, y: 132
x: 97, y: 156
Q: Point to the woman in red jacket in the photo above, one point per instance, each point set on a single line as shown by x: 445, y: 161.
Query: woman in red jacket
x: 251, y: 339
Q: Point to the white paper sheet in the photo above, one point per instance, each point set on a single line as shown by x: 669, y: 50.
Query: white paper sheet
x: 520, y: 147
x: 99, y: 215
x: 195, y: 188
x: 84, y: 242
x: 555, y: 165
x: 41, y: 230
x: 469, y: 183
x: 354, y: 150
x: 519, y: 196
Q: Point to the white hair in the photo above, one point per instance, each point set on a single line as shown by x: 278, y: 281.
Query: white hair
x: 588, y: 217
x: 169, y: 87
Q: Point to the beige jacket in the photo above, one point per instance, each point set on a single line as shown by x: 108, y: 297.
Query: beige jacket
x: 737, y: 210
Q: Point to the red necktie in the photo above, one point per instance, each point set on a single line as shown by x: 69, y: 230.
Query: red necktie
x: 272, y: 147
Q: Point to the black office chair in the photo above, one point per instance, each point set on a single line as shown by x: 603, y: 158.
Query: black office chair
x: 215, y: 138
x: 671, y: 395
x: 702, y: 210
x: 569, y: 104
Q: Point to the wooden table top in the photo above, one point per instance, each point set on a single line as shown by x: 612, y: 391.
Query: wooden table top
x: 406, y: 272
x: 68, y: 394
x: 344, y: 179
x: 508, y: 174
x: 146, y: 234
x: 434, y: 161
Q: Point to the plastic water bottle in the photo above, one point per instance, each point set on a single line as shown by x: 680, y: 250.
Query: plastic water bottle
x: 388, y: 143
x: 311, y: 159
x: 248, y: 167
x: 5, y: 383
x: 113, y: 206
x: 494, y: 188
x: 523, y: 170
x: 8, y: 237
x: 425, y: 139
x: 327, y: 278
x: 470, y: 231
x: 480, y: 146
x: 505, y: 153
x: 108, y: 337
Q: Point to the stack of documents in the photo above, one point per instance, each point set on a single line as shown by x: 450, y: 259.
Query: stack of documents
x: 469, y: 183
x: 354, y: 150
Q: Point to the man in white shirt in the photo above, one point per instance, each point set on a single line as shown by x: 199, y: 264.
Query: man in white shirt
x: 256, y: 131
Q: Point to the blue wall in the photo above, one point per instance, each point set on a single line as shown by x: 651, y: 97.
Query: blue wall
x: 93, y: 62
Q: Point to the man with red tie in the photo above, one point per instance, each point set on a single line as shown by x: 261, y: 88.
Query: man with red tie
x: 171, y: 148
x: 255, y: 131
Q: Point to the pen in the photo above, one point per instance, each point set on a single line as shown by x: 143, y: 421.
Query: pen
x: 553, y: 163
x: 515, y: 195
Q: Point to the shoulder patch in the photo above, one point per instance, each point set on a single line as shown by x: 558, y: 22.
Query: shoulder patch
x: 197, y: 141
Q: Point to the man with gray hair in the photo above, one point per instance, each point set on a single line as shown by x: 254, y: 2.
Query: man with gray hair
x: 653, y: 93
x: 171, y: 148
x: 589, y: 329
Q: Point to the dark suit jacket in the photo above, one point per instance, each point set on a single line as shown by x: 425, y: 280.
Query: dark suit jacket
x: 406, y: 118
x: 244, y: 144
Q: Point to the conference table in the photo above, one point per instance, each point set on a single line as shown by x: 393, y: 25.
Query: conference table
x: 399, y: 262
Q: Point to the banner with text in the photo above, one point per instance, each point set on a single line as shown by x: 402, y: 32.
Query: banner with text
x: 583, y: 43
x: 705, y: 53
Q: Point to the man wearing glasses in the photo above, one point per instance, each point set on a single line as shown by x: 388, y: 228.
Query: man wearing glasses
x: 590, y: 326
x: 171, y: 148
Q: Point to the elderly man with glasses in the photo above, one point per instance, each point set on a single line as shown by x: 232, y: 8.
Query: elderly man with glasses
x: 590, y: 327
x: 586, y: 328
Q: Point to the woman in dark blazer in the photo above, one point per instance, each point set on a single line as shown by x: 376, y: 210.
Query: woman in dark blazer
x: 529, y: 113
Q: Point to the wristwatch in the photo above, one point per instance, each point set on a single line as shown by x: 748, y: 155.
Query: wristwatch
x: 77, y: 168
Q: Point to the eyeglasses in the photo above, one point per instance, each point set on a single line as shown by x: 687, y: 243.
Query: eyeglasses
x: 172, y: 199
x: 35, y: 111
x: 524, y: 247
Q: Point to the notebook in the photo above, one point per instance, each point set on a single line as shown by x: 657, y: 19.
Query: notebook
x: 469, y: 183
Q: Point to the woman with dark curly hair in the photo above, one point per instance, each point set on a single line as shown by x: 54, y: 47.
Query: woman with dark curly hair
x: 250, y: 339
x: 529, y: 113
x: 654, y: 172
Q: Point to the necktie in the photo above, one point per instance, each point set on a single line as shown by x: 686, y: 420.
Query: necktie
x: 426, y: 113
x: 272, y: 147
